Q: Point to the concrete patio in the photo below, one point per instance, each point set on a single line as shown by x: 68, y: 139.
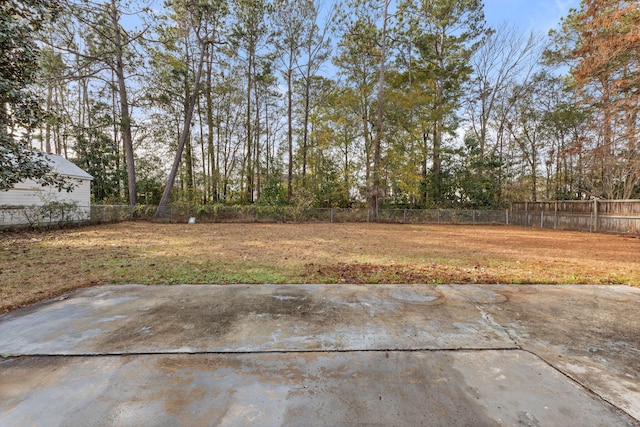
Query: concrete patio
x: 324, y: 355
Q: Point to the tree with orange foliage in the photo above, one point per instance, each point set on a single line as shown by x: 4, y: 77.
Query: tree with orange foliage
x: 602, y: 40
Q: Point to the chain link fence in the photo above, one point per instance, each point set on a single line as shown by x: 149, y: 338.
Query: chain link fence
x: 97, y: 214
x: 271, y: 214
x: 592, y: 216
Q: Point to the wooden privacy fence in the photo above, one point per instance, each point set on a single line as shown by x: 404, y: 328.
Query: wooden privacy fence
x: 604, y: 216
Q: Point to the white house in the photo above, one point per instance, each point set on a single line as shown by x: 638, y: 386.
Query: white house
x: 30, y: 203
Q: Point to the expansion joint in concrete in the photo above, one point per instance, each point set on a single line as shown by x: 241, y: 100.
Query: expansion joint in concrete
x: 580, y: 384
x: 259, y: 352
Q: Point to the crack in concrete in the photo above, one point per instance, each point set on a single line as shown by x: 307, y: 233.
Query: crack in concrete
x: 575, y: 381
x: 486, y: 316
x: 489, y: 319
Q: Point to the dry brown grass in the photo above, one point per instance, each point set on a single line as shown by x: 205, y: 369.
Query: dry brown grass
x: 40, y: 265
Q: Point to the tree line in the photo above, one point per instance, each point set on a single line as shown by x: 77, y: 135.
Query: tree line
x: 404, y: 103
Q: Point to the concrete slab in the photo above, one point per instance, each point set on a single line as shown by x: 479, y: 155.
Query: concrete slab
x: 590, y: 333
x: 235, y: 318
x: 452, y: 388
x: 508, y: 347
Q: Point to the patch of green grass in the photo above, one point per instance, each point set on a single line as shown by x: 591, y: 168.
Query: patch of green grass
x: 179, y: 270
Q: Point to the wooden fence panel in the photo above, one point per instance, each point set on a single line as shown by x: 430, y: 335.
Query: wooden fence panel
x: 608, y: 216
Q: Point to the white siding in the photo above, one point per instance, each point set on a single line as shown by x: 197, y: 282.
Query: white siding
x: 31, y: 194
x: 21, y: 204
x: 28, y: 193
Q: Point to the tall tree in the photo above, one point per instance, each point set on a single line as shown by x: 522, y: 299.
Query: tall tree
x: 376, y: 191
x: 248, y: 34
x: 504, y: 62
x: 20, y: 111
x: 565, y: 127
x: 609, y: 54
x: 96, y: 153
x: 125, y: 120
x: 290, y: 20
x: 446, y: 34
x: 337, y: 134
x: 202, y: 21
x: 601, y: 44
x: 358, y: 61
x: 315, y: 50
x: 505, y: 57
x: 527, y: 131
x: 105, y: 45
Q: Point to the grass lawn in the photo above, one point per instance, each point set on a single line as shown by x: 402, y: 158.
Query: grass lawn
x: 39, y: 265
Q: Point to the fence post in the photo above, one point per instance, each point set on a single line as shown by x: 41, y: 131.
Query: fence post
x: 542, y: 219
x: 506, y: 211
x: 331, y: 214
x: 555, y: 218
x: 595, y: 215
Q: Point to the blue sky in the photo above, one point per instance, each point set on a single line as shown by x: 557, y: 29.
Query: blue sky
x: 537, y: 15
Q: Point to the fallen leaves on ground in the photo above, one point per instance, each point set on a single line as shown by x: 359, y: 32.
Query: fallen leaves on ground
x: 35, y: 266
x: 396, y: 274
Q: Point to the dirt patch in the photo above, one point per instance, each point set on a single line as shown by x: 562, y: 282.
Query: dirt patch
x: 42, y: 265
x: 396, y: 274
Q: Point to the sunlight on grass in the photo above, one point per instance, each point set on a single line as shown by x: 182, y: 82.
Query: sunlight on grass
x: 36, y: 266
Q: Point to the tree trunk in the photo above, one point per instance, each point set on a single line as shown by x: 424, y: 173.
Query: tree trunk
x: 377, y: 144
x: 290, y: 127
x: 305, y: 124
x: 439, y: 122
x: 183, y: 137
x: 256, y: 145
x: 204, y: 156
x: 212, y: 170
x: 125, y: 120
x: 47, y: 136
x: 248, y: 164
x: 633, y: 159
x: 607, y: 143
